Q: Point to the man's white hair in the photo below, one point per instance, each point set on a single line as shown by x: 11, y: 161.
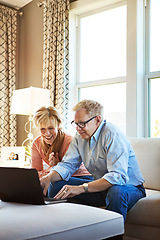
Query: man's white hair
x: 92, y: 107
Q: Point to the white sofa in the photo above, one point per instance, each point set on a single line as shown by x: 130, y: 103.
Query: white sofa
x: 61, y: 221
x: 143, y: 220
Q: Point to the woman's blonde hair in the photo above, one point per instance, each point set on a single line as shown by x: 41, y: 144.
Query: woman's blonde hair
x: 44, y: 114
x: 92, y: 107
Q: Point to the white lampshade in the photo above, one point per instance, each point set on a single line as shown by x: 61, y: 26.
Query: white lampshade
x: 27, y: 101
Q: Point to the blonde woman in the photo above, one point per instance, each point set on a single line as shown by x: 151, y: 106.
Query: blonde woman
x: 49, y: 148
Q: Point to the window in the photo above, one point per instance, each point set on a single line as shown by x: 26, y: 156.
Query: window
x: 154, y: 111
x: 113, y: 98
x: 102, y: 45
x: 154, y: 36
x: 153, y: 67
x: 101, y: 61
x: 107, y: 60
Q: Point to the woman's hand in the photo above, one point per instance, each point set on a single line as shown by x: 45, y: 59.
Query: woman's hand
x: 53, y: 159
x: 68, y: 191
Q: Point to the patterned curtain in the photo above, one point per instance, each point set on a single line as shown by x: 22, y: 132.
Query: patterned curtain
x: 56, y: 53
x: 8, y: 30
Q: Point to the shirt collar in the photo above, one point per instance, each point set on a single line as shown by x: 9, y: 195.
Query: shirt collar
x: 97, y: 132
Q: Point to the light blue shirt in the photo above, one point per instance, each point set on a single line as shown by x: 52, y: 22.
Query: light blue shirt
x: 107, y: 155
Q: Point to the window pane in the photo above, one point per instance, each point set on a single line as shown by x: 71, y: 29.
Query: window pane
x: 103, y: 45
x: 154, y: 113
x: 155, y: 36
x: 113, y: 98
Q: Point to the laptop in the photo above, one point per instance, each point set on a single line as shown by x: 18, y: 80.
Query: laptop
x: 22, y: 185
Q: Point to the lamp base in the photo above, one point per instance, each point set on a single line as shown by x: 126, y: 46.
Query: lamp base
x: 29, y: 138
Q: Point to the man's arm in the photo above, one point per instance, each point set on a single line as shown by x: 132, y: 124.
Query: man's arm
x: 53, y: 176
x: 99, y: 185
x: 69, y: 191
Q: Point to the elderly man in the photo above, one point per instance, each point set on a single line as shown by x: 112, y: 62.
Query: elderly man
x: 107, y: 155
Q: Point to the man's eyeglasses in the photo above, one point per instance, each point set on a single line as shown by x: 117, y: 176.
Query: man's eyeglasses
x: 81, y: 124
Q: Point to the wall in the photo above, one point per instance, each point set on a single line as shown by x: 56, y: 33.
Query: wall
x: 30, y: 55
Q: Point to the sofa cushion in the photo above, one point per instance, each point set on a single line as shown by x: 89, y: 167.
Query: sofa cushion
x: 147, y: 151
x: 151, y: 192
x: 57, y: 221
x: 146, y: 211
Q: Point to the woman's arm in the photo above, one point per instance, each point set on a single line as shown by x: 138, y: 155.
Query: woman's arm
x: 36, y: 158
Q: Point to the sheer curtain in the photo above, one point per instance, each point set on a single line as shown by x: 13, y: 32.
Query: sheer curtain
x: 8, y: 31
x: 56, y: 53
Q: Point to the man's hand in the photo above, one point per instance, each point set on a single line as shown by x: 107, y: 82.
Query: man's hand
x: 68, y: 191
x: 53, y: 159
x: 53, y: 176
x: 45, y: 182
x: 44, y: 172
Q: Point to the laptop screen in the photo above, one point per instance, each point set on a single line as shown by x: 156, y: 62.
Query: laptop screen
x: 20, y: 185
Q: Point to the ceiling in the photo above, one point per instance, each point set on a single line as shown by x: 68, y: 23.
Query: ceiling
x: 15, y: 3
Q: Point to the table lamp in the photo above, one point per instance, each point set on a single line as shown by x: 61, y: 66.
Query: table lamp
x: 27, y: 101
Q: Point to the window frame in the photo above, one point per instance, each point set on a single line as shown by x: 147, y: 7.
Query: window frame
x: 148, y: 74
